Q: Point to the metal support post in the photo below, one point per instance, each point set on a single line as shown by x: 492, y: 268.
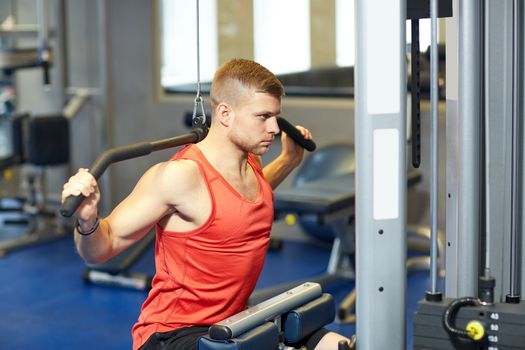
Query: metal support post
x: 380, y: 134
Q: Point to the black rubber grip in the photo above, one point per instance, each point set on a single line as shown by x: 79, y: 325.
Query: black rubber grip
x: 118, y: 154
x: 295, y: 134
x: 220, y: 332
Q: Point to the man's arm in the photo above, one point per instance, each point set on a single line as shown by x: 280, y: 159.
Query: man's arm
x: 291, y: 157
x: 276, y: 171
x: 151, y: 199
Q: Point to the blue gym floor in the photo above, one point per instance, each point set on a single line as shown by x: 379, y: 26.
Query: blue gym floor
x: 45, y: 305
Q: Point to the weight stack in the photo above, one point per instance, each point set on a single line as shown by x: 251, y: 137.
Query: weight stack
x: 504, y: 327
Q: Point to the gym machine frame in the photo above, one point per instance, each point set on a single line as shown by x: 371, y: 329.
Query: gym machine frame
x: 484, y: 194
x: 380, y: 136
x: 495, y: 325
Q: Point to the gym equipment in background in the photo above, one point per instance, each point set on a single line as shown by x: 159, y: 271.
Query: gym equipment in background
x: 31, y: 144
x: 329, y: 161
x: 482, y: 319
x: 31, y: 218
x: 14, y: 59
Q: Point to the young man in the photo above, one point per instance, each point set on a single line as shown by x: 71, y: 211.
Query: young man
x: 212, y: 205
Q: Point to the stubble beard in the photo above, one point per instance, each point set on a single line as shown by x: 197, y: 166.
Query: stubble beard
x: 248, y: 145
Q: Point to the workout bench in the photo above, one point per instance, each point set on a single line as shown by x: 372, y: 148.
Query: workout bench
x: 284, y: 319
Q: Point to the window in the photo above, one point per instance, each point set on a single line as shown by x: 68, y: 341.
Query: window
x: 275, y: 33
x: 283, y: 49
x: 282, y: 35
x: 344, y: 33
x: 179, y: 41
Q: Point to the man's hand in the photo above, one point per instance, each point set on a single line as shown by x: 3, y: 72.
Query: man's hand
x: 83, y: 183
x: 291, y: 150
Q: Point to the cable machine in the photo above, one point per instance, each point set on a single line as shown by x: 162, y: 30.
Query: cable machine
x: 483, y: 307
x: 484, y: 260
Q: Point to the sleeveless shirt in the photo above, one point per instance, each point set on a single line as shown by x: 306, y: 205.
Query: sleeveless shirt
x: 207, y: 274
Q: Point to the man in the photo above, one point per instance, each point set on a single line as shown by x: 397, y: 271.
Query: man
x: 212, y: 205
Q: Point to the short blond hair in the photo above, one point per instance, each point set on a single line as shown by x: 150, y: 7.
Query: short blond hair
x: 236, y: 75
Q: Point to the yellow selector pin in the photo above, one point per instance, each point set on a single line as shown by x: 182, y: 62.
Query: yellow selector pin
x: 475, y: 330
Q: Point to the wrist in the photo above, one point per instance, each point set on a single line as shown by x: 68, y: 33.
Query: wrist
x: 85, y: 228
x: 290, y: 161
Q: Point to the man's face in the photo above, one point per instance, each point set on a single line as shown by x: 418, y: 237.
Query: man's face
x: 255, y: 124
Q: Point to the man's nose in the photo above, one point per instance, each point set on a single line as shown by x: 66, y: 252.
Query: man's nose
x: 272, y: 126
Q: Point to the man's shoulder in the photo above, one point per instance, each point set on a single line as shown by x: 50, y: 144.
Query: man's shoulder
x: 172, y: 179
x: 186, y: 169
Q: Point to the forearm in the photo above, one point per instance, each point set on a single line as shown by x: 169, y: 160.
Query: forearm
x: 97, y: 247
x: 278, y: 170
x: 123, y: 227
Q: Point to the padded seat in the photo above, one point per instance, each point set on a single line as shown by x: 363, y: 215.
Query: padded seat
x: 299, y: 312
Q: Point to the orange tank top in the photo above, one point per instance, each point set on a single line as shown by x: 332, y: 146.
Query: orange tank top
x: 207, y: 274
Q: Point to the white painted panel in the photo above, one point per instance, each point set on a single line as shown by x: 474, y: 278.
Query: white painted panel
x: 386, y: 174
x: 383, y: 38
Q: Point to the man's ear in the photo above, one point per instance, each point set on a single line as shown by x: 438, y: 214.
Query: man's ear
x: 224, y: 113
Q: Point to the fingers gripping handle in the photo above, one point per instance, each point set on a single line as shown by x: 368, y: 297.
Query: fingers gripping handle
x: 295, y: 134
x: 70, y: 205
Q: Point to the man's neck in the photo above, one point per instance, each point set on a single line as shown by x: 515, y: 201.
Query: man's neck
x: 224, y: 155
